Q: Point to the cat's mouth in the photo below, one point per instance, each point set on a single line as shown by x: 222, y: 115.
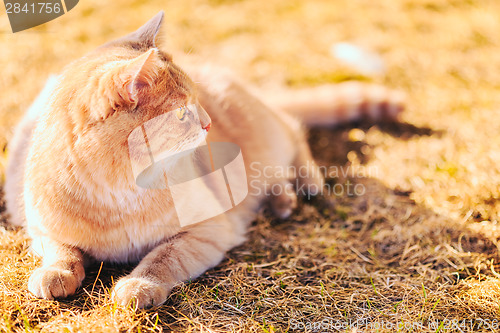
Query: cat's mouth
x: 207, y: 127
x: 166, y: 166
x: 181, y: 147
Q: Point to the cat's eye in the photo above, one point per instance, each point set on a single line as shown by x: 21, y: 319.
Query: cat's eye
x: 181, y: 113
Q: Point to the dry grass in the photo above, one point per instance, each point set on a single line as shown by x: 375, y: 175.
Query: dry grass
x: 419, y: 249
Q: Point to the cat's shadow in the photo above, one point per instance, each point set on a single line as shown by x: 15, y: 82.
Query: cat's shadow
x: 331, y: 146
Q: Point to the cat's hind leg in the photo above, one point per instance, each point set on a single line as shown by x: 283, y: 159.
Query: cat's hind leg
x: 309, y: 182
x: 310, y: 178
x: 283, y: 199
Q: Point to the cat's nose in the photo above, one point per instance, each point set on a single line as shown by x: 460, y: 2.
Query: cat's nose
x: 205, y: 120
x: 207, y: 127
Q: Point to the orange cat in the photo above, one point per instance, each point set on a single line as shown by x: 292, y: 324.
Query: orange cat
x: 70, y: 181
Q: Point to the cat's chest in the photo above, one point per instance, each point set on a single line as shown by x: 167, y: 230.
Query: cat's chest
x: 133, y: 241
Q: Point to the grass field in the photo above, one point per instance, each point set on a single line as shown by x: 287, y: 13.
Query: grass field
x: 417, y: 251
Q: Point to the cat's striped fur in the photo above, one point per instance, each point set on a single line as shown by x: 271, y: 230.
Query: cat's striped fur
x: 330, y: 105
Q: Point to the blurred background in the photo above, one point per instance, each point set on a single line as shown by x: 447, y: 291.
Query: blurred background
x: 444, y: 54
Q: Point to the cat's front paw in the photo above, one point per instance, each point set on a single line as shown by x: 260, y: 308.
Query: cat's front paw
x: 140, y: 293
x: 54, y: 282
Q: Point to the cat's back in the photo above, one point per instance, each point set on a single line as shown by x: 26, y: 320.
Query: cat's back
x: 239, y: 115
x: 18, y: 149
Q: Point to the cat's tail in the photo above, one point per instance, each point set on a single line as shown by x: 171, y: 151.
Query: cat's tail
x: 335, y: 104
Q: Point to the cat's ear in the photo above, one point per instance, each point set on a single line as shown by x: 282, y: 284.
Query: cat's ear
x: 132, y: 76
x: 138, y: 73
x: 145, y: 35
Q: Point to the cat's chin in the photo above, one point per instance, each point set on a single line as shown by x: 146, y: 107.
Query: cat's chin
x: 171, y: 168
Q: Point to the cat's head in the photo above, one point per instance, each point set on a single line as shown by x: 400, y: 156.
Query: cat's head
x: 121, y: 86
